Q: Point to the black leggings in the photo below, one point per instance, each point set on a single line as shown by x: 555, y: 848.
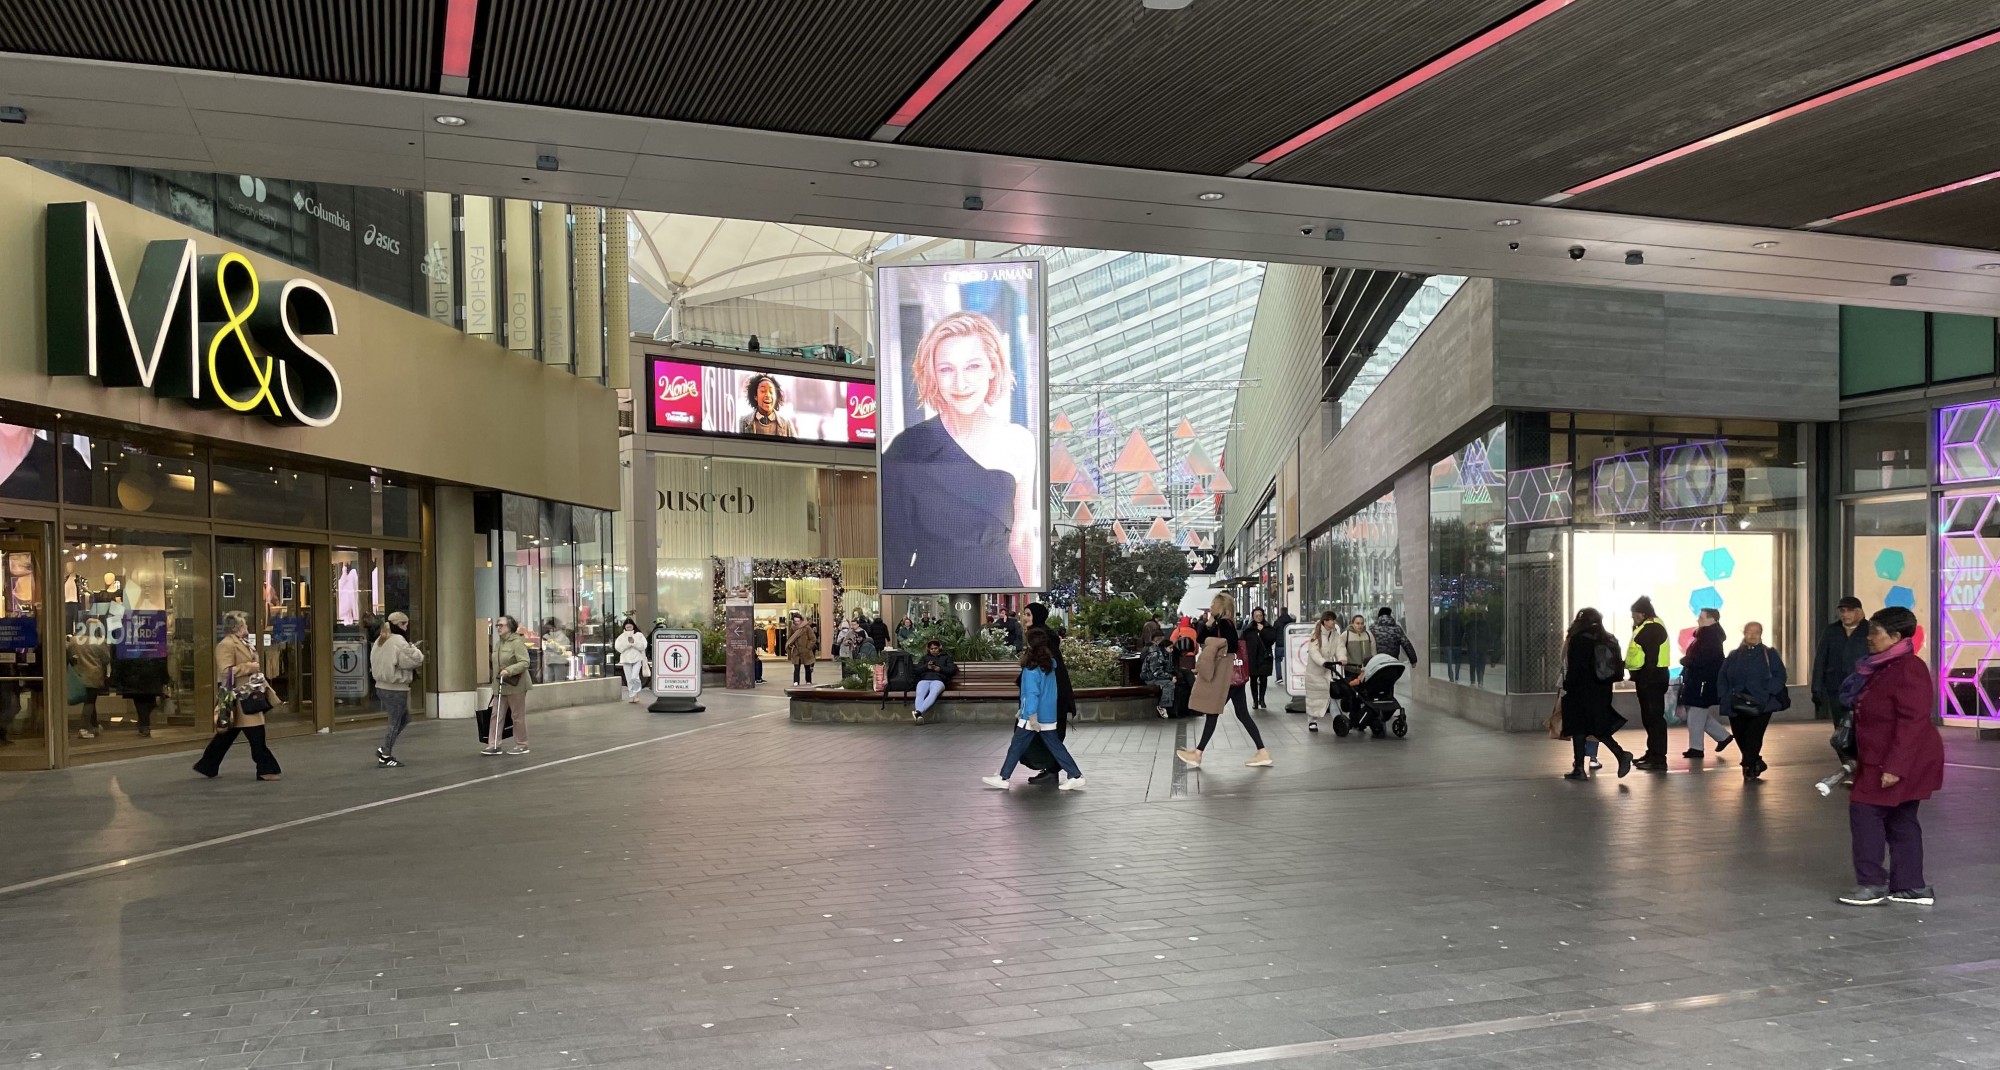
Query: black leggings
x: 1242, y: 714
x: 795, y: 672
x: 1258, y: 687
x: 210, y: 762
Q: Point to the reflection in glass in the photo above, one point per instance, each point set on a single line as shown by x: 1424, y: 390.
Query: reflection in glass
x: 159, y: 478
x: 23, y: 713
x: 129, y: 599
x: 1468, y: 564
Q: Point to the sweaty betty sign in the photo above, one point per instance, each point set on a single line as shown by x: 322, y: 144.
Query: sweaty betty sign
x: 201, y: 329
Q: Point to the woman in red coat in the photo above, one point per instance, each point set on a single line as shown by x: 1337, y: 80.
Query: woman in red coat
x: 1892, y: 694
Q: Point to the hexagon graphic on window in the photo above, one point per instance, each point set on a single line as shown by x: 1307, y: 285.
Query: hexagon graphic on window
x: 1705, y: 598
x: 1889, y: 565
x: 1901, y: 597
x: 1718, y: 564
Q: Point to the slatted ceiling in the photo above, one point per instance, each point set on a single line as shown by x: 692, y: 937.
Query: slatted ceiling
x: 1929, y: 129
x: 1969, y: 217
x: 1607, y: 83
x: 385, y: 44
x: 827, y: 67
x: 1202, y: 89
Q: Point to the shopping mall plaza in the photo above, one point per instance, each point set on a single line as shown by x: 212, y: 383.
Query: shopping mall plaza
x: 358, y: 357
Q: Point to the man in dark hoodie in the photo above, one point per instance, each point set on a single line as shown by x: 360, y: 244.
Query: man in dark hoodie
x: 1390, y: 638
x: 1844, y: 642
x: 1038, y: 756
x: 1646, y: 660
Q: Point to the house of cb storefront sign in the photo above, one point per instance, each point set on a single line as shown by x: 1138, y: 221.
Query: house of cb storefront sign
x: 202, y: 329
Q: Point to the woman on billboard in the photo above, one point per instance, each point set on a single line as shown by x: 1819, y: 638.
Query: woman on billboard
x: 766, y: 397
x: 959, y: 488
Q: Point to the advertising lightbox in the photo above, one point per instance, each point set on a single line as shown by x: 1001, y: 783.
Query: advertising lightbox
x: 714, y: 400
x: 963, y: 441
x: 1683, y: 572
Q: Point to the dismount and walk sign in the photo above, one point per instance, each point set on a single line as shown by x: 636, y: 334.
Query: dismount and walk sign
x: 676, y: 671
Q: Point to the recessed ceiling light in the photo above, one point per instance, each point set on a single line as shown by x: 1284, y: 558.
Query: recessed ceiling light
x: 1765, y: 245
x: 449, y: 120
x: 864, y: 164
x: 1506, y: 222
x: 1211, y: 195
x: 1989, y: 267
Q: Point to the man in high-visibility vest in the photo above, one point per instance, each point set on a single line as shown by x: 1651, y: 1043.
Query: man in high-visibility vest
x: 1646, y: 660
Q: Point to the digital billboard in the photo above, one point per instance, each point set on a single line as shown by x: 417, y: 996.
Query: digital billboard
x: 713, y: 400
x: 963, y: 441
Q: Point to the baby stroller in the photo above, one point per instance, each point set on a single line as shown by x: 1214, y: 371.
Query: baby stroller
x: 1369, y: 704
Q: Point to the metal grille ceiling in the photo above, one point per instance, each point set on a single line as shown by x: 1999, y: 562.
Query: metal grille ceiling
x: 1607, y: 83
x: 1108, y: 81
x: 829, y: 67
x: 1583, y: 90
x: 386, y: 44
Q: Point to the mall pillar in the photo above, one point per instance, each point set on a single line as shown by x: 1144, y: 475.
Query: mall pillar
x: 639, y: 533
x: 966, y: 608
x: 454, y: 634
x: 617, y: 299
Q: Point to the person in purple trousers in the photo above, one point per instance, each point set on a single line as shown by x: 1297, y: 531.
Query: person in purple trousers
x: 1901, y: 762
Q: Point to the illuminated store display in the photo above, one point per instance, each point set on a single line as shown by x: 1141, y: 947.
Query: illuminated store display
x: 1968, y: 565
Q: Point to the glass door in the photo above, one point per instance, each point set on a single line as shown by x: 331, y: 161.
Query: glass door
x: 135, y: 667
x: 23, y: 711
x: 270, y: 588
x: 369, y: 584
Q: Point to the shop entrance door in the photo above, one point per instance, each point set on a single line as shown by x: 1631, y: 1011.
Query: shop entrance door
x: 270, y: 587
x: 24, y: 713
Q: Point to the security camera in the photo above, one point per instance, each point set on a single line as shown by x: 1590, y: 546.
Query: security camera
x: 1513, y: 246
x: 1576, y: 252
x: 1305, y: 232
x: 974, y: 202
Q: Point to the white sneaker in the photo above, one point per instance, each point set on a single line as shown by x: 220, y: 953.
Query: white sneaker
x: 517, y: 750
x: 489, y: 751
x: 994, y: 782
x: 1072, y: 784
x: 85, y: 733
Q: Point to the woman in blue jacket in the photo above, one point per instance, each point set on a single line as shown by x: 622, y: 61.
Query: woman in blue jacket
x: 1038, y: 714
x: 1752, y: 685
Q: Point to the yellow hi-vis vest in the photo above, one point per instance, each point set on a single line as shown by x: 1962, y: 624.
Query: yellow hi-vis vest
x: 1635, y: 655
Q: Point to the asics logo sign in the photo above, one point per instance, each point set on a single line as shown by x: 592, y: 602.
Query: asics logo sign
x: 380, y: 239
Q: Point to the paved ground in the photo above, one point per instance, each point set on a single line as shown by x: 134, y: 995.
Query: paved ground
x: 732, y: 890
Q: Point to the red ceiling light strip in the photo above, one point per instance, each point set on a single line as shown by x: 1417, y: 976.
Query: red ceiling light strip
x: 1848, y: 90
x: 460, y: 18
x: 978, y: 41
x: 1935, y: 191
x: 1519, y: 21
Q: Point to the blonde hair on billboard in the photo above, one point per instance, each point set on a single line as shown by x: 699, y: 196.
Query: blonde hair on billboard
x: 961, y: 325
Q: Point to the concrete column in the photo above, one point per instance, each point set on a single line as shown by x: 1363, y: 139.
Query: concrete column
x: 1413, y: 548
x: 617, y: 297
x: 455, y: 633
x: 586, y: 244
x: 638, y: 534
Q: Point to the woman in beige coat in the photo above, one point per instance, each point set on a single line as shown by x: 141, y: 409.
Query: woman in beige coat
x: 1214, y: 666
x: 1325, y: 653
x: 801, y: 648
x: 237, y: 668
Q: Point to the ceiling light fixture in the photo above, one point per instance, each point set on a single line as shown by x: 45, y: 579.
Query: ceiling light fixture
x: 1506, y: 222
x: 1211, y: 195
x: 1934, y: 191
x: 978, y: 41
x: 449, y: 120
x: 1765, y: 245
x: 864, y: 164
x: 1989, y: 267
x: 1165, y: 5
x: 461, y: 20
x: 1848, y: 90
x: 1465, y: 51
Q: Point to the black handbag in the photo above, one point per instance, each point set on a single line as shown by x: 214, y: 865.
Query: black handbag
x: 1741, y: 704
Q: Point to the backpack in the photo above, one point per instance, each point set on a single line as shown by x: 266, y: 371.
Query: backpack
x: 1606, y: 663
x: 899, y: 673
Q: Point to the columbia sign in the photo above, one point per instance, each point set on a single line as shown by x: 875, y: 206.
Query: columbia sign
x: 201, y: 329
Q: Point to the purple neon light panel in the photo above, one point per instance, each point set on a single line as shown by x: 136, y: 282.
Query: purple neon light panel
x: 1694, y: 476
x: 1969, y: 442
x: 1621, y: 485
x: 1969, y: 604
x: 1538, y: 495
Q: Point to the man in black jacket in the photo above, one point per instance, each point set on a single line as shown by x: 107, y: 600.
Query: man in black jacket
x: 1646, y: 660
x: 1844, y: 642
x: 1282, y: 624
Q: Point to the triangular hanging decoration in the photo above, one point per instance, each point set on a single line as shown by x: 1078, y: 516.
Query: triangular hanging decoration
x: 1062, y: 467
x: 1084, y: 517
x: 1201, y: 542
x: 1136, y: 456
x: 1080, y: 490
x: 1148, y: 493
x: 1118, y: 532
x: 1159, y: 532
x: 1180, y: 476
x: 1184, y: 430
x: 1220, y: 484
x: 1060, y: 425
x: 1186, y: 541
x: 1199, y: 464
x: 1101, y: 424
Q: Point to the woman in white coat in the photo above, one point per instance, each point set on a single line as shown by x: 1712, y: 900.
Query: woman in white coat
x: 1326, y: 651
x: 631, y: 649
